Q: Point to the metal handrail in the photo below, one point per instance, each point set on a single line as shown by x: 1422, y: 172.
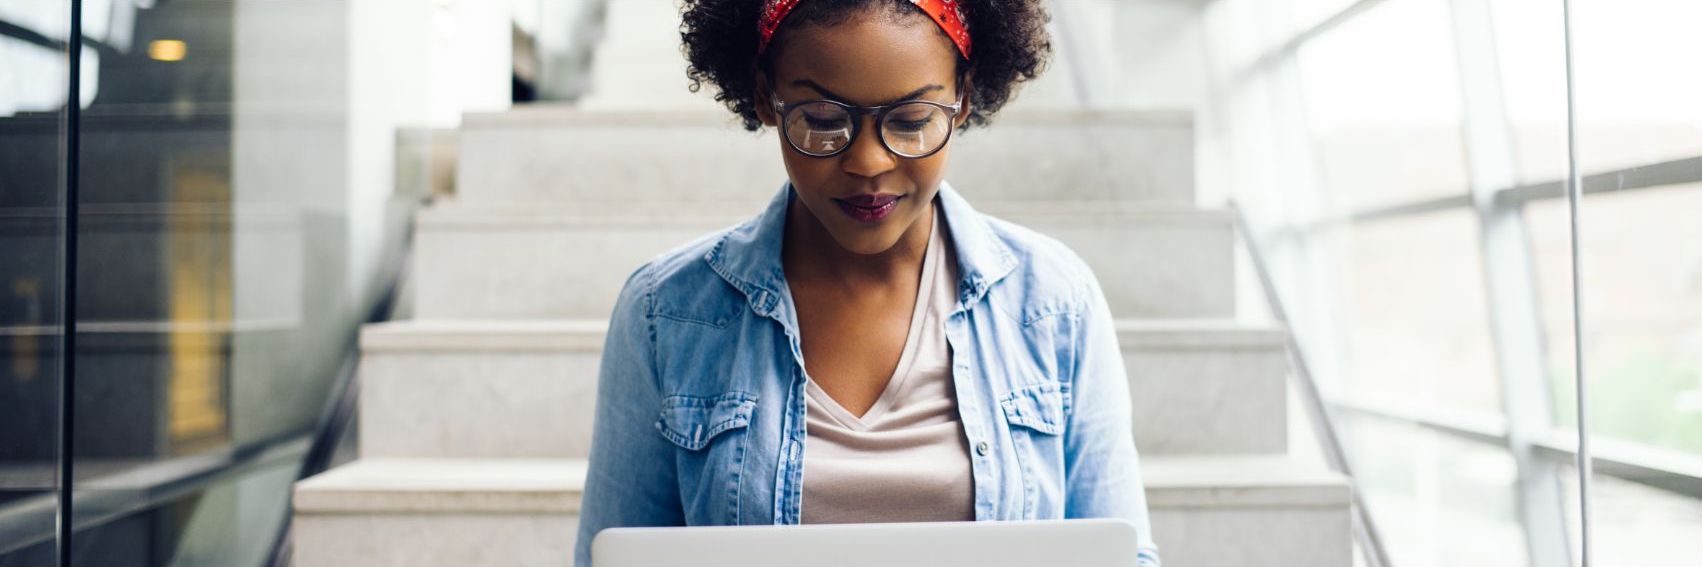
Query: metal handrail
x: 1323, y: 423
x: 30, y: 521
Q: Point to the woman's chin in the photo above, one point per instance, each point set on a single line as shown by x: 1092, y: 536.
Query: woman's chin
x: 866, y: 244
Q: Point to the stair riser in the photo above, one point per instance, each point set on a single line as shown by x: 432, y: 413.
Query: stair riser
x: 1155, y: 268
x: 1193, y: 401
x: 477, y: 405
x: 709, y: 161
x: 434, y: 540
x: 1168, y: 269
x: 540, y: 405
x: 1254, y: 537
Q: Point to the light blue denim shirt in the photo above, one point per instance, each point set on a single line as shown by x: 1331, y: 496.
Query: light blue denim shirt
x: 700, y: 399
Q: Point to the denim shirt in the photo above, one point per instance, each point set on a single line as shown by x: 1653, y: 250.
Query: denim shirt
x: 700, y: 397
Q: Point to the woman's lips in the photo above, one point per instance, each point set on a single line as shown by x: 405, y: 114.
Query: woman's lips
x: 868, y: 208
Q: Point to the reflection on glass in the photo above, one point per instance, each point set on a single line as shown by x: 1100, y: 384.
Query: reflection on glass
x: 34, y: 65
x: 231, y: 229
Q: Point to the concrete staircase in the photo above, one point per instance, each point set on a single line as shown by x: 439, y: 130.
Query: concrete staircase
x: 475, y: 417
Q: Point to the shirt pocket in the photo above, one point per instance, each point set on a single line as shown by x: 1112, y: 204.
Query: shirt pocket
x: 1037, y: 415
x: 710, y: 432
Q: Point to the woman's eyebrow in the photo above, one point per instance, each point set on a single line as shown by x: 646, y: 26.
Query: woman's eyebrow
x: 829, y: 94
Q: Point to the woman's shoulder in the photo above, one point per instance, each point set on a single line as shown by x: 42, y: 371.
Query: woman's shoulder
x: 1045, y: 270
x: 680, y: 283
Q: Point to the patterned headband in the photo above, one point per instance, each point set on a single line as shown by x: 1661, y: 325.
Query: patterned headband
x: 946, y: 13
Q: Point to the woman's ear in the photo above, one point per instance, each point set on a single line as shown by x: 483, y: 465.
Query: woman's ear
x: 964, y: 87
x: 761, y: 99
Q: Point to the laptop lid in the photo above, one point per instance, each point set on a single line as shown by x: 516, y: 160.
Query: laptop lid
x: 1079, y: 543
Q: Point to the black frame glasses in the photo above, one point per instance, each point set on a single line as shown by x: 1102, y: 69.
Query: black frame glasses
x: 782, y: 110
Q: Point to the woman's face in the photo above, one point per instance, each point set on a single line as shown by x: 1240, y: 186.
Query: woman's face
x: 871, y: 60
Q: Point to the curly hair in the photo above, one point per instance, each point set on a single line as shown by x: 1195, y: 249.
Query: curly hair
x: 719, y: 40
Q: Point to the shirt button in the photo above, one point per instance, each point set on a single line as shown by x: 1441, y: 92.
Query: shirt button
x: 983, y: 448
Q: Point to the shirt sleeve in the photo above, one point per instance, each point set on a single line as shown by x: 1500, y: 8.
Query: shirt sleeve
x: 631, y: 477
x: 1102, y: 471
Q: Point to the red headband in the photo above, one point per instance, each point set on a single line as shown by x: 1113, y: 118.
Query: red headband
x: 946, y: 13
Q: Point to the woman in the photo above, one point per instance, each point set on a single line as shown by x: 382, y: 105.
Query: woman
x: 869, y: 348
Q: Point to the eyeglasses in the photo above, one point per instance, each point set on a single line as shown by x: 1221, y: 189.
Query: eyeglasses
x: 822, y: 128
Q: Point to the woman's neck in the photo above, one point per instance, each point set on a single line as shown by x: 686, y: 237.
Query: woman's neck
x: 810, y: 254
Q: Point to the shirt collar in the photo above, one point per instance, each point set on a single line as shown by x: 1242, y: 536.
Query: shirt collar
x: 748, y: 256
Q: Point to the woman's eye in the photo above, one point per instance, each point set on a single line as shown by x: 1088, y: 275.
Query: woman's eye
x: 915, y: 125
x: 825, y: 123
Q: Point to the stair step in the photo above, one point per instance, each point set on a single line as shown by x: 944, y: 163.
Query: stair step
x: 527, y: 389
x: 1248, y: 510
x: 1207, y: 386
x: 431, y: 486
x: 548, y: 263
x: 1226, y: 511
x: 425, y: 512
x: 475, y: 389
x: 560, y: 153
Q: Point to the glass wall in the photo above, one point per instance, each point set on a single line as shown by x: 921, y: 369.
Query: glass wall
x: 1404, y: 163
x: 1639, y: 120
x: 241, y: 212
x: 32, y: 254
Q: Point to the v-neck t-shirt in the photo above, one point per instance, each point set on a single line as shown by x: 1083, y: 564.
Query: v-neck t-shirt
x: 906, y: 459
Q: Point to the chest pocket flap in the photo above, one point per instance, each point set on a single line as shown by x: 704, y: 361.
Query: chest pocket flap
x: 692, y: 421
x: 1041, y: 407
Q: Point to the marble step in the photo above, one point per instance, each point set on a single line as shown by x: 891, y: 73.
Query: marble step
x: 1207, y: 386
x: 563, y: 154
x: 477, y: 262
x: 489, y: 389
x: 1248, y: 511
x: 439, y: 512
x: 1224, y: 511
x: 527, y: 389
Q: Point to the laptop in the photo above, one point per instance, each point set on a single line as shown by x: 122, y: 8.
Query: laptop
x: 1078, y: 543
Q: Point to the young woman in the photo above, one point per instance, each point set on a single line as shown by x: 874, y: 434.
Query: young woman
x: 869, y: 348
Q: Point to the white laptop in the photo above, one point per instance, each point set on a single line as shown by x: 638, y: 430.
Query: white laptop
x: 1077, y: 543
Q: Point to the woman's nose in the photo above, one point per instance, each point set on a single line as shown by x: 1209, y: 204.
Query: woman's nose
x: 867, y: 156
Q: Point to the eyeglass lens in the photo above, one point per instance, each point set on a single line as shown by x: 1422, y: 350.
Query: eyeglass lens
x: 911, y: 130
